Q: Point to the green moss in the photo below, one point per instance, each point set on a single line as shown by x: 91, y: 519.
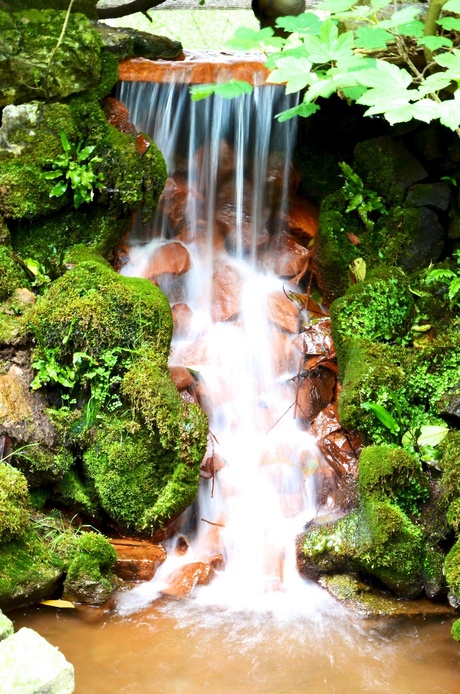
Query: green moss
x: 376, y: 539
x: 11, y: 328
x: 91, y: 308
x: 434, y: 581
x: 44, y: 465
x: 453, y: 514
x: 77, y: 494
x: 393, y: 473
x: 29, y: 571
x: 27, y: 42
x: 377, y: 309
x: 12, y: 276
x: 98, y: 548
x: 86, y: 7
x: 455, y: 631
x: 14, y: 503
x: 452, y: 569
x: 88, y: 577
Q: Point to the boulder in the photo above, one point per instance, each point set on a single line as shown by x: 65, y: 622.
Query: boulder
x: 291, y: 257
x: 181, y: 377
x: 182, y: 581
x: 171, y: 259
x: 182, y: 318
x: 129, y: 43
x: 315, y: 392
x: 435, y: 195
x: 283, y: 312
x: 302, y: 219
x: 31, y: 665
x: 118, y: 115
x: 226, y: 292
x: 137, y: 560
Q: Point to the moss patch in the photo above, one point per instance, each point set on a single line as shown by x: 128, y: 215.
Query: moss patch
x: 14, y: 503
x: 12, y: 276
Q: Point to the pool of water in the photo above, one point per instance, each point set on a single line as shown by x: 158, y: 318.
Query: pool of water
x: 184, y: 647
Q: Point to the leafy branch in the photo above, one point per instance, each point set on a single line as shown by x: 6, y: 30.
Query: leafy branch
x: 379, y: 63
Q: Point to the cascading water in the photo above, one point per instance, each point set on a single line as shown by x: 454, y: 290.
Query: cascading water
x: 225, y: 203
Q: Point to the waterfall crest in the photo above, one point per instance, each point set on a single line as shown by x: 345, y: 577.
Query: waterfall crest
x: 213, y: 247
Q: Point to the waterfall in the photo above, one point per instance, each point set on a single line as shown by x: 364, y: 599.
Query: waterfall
x: 223, y: 212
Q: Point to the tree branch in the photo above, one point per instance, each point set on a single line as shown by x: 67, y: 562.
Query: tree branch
x: 127, y: 8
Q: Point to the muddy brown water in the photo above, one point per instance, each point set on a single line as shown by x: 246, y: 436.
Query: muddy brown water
x: 181, y: 648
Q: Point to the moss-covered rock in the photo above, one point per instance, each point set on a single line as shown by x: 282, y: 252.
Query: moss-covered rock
x: 29, y: 571
x: 455, y: 631
x: 91, y: 309
x: 78, y: 494
x: 452, y: 571
x: 131, y: 43
x: 377, y: 309
x: 14, y: 503
x: 30, y: 65
x: 377, y: 539
x: 12, y: 276
x: 88, y: 578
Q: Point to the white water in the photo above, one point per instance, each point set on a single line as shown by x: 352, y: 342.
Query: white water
x: 233, y: 155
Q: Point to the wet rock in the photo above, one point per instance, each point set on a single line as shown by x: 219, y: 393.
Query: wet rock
x: 181, y: 376
x: 284, y: 354
x: 338, y: 453
x: 302, y: 219
x: 227, y: 217
x: 137, y: 560
x: 173, y: 205
x: 182, y: 582
x: 325, y: 423
x: 142, y: 144
x: 291, y: 257
x: 182, y: 319
x: 31, y: 665
x: 171, y: 259
x: 118, y: 115
x: 436, y: 195
x: 450, y: 403
x: 424, y: 241
x: 387, y: 167
x: 316, y: 339
x: 283, y: 312
x: 315, y: 393
x: 226, y: 292
x: 226, y: 162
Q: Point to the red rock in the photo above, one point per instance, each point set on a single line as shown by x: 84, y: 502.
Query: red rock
x: 302, y: 219
x: 195, y: 354
x: 197, y: 71
x: 338, y: 453
x: 283, y: 312
x: 173, y: 205
x: 182, y: 582
x: 291, y: 257
x: 325, y: 423
x: 137, y: 560
x: 315, y: 339
x: 118, y: 115
x: 275, y: 176
x: 182, y: 318
x: 170, y: 259
x: 227, y: 216
x: 142, y: 144
x: 315, y: 393
x: 181, y: 376
x: 226, y: 292
x: 284, y: 354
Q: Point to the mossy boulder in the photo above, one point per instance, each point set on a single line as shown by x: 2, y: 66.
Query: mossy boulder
x: 377, y: 309
x: 377, y: 539
x: 30, y: 65
x: 91, y: 309
x: 89, y: 579
x: 14, y: 503
x: 130, y: 43
x: 29, y: 571
x: 455, y: 631
x: 452, y: 572
x: 12, y: 276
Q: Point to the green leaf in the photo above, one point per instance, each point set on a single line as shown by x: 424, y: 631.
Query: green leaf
x: 227, y: 90
x: 67, y: 147
x: 434, y: 82
x: 435, y: 42
x: 50, y: 175
x: 454, y: 288
x: 329, y: 45
x: 452, y: 6
x: 58, y: 190
x: 353, y: 93
x: 384, y: 76
x: 246, y: 39
x: 294, y: 72
x: 449, y: 23
x: 450, y: 112
x: 372, y: 37
x: 451, y: 61
x: 303, y: 110
x: 401, y: 17
x: 358, y: 268
x: 382, y: 415
x: 431, y: 435
x: 306, y: 23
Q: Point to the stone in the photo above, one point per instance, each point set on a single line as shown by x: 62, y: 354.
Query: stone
x: 315, y: 392
x: 228, y: 217
x: 424, y: 242
x: 283, y: 312
x: 226, y: 292
x: 173, y: 205
x: 325, y: 423
x: 6, y: 627
x: 31, y: 665
x: 170, y: 259
x: 387, y: 167
x: 183, y: 580
x: 316, y: 339
x: 302, y: 219
x: 129, y: 43
x: 435, y: 195
x: 137, y: 560
x: 118, y: 115
x: 291, y: 257
x: 449, y: 404
x: 14, y: 120
x: 182, y: 319
x: 142, y: 144
x: 181, y: 377
x: 338, y: 453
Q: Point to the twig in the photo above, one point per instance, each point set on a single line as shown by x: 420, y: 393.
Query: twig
x: 56, y: 48
x: 218, y: 525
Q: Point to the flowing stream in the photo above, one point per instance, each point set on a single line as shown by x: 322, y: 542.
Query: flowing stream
x: 258, y: 627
